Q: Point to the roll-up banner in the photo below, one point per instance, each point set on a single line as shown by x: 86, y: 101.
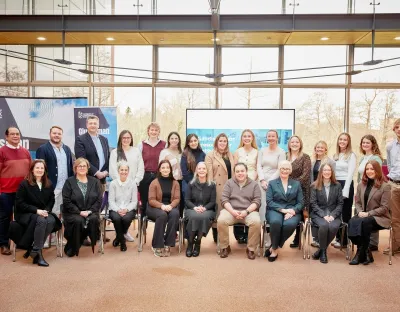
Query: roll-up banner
x: 35, y: 116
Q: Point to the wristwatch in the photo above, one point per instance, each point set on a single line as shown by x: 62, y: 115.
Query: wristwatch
x: 248, y: 212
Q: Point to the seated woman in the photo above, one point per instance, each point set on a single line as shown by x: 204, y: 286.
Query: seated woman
x: 164, y: 197
x: 284, y: 208
x: 200, y: 200
x: 326, y: 205
x: 81, y: 205
x: 372, y: 205
x: 122, y: 199
x: 34, y: 203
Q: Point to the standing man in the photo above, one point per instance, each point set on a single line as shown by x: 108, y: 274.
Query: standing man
x: 393, y: 163
x: 95, y: 149
x: 14, y: 166
x: 58, y: 158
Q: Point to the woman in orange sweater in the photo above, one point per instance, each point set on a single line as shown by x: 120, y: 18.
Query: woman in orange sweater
x: 164, y: 198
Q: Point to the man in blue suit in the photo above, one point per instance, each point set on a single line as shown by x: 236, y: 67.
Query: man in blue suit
x: 58, y: 158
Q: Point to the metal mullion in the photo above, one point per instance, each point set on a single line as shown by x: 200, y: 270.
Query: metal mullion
x: 281, y: 73
x: 155, y: 66
x: 89, y: 58
x: 350, y: 62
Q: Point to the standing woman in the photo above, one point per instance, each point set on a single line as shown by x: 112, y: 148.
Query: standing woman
x: 370, y: 150
x: 220, y: 165
x: 34, y: 203
x: 301, y: 169
x: 200, y: 208
x: 246, y: 153
x: 267, y: 166
x: 82, y: 198
x: 173, y: 153
x: 345, y: 167
x: 164, y: 197
x: 151, y: 149
x: 372, y: 206
x: 192, y: 155
x: 320, y: 158
x: 126, y: 152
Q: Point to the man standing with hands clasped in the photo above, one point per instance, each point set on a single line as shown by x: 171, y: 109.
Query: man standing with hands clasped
x: 95, y: 149
x: 241, y: 199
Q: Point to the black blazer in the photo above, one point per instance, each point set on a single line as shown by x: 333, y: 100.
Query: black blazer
x: 197, y: 195
x: 46, y: 152
x: 84, y: 147
x: 29, y: 199
x: 73, y: 200
x: 321, y: 206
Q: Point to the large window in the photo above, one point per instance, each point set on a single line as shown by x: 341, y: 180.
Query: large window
x: 61, y: 92
x: 390, y: 74
x: 317, y: 7
x: 13, y: 91
x: 72, y: 7
x: 384, y: 6
x: 251, y: 7
x: 52, y: 71
x: 183, y: 7
x: 251, y: 60
x: 171, y: 104
x: 249, y: 97
x: 13, y: 69
x: 132, y: 7
x: 373, y: 111
x: 305, y: 57
x: 319, y: 115
x: 187, y: 61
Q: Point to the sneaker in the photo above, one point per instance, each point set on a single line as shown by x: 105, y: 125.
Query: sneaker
x: 158, y: 252
x: 337, y: 244
x: 46, y: 243
x: 129, y: 237
x: 167, y: 251
x: 316, y: 244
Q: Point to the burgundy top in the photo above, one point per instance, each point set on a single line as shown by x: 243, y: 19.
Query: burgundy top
x: 151, y: 155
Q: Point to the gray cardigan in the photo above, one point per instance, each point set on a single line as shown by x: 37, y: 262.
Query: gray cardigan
x: 122, y: 197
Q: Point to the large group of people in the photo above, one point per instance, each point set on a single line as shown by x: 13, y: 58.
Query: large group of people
x: 214, y: 191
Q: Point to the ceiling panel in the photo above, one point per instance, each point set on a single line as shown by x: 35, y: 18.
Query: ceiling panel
x: 174, y: 38
x: 30, y: 37
x: 381, y: 38
x: 314, y: 38
x: 101, y: 38
x: 252, y: 38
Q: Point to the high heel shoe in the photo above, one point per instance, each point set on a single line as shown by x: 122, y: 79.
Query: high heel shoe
x: 40, y: 259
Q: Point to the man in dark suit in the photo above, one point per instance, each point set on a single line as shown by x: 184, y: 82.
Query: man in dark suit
x: 59, y: 162
x: 95, y: 149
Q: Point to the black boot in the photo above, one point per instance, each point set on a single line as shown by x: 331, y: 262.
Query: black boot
x: 323, y: 257
x: 28, y: 252
x: 196, y: 249
x: 358, y: 257
x: 317, y: 254
x: 215, y: 234
x: 368, y: 257
x: 189, y: 249
x: 123, y: 246
x: 40, y: 259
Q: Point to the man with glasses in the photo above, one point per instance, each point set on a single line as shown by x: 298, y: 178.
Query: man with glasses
x: 58, y: 158
x: 14, y: 166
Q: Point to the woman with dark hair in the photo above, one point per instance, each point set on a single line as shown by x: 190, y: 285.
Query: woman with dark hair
x: 164, y: 197
x: 173, y: 153
x: 192, y: 155
x: 220, y: 165
x: 372, y: 206
x: 34, y: 203
x: 125, y: 151
x: 326, y: 205
x: 345, y: 166
x: 82, y: 198
x: 200, y: 208
x: 301, y: 171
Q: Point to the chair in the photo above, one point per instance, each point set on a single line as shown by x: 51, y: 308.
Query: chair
x: 308, y: 235
x: 265, y: 226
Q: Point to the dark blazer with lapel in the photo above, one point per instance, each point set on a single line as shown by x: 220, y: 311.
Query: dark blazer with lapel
x: 278, y: 199
x: 321, y: 206
x: 84, y: 147
x: 378, y: 203
x: 46, y: 152
x: 73, y: 200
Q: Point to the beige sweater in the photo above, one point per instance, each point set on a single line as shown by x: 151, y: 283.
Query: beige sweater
x: 241, y: 197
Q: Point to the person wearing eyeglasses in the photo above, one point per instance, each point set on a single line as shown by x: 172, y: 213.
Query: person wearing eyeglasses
x: 82, y: 196
x: 285, y: 204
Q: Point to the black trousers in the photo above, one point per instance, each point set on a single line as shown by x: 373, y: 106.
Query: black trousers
x: 165, y: 226
x: 43, y: 228
x: 143, y: 188
x: 122, y: 224
x: 7, y: 201
x: 326, y: 230
x: 281, y: 229
x: 346, y: 211
x: 360, y: 230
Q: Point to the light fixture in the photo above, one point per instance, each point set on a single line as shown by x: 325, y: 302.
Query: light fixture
x: 397, y: 38
x: 216, y: 39
x: 110, y: 39
x: 353, y: 72
x: 41, y: 38
x: 85, y: 71
x: 161, y: 39
x: 372, y: 62
x: 324, y: 38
